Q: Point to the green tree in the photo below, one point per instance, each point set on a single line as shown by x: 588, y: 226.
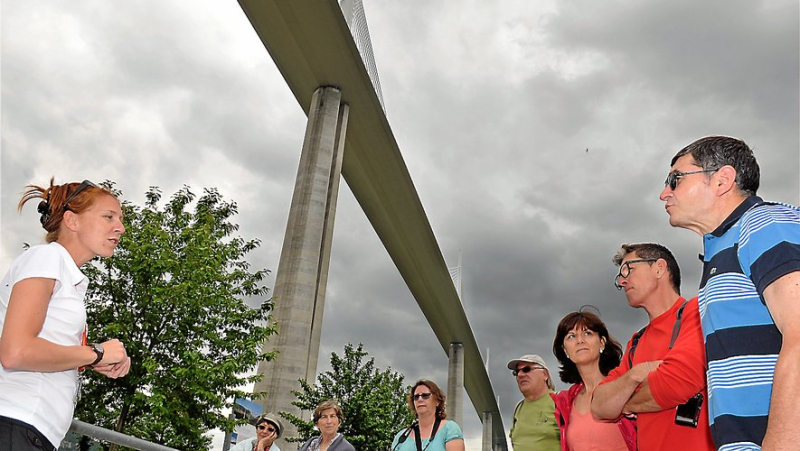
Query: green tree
x: 373, y: 401
x: 174, y: 293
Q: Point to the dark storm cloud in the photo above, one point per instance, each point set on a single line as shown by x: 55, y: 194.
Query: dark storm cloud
x: 494, y: 106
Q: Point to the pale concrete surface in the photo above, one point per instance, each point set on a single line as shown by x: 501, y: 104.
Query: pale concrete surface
x: 455, y: 384
x: 299, y: 292
x: 312, y: 46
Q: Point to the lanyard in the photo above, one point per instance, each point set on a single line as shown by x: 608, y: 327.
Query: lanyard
x: 418, y: 440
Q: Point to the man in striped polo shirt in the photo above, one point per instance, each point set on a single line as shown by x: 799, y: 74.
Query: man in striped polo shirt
x: 749, y: 295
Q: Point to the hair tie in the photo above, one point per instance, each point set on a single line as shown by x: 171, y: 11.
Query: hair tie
x: 44, y: 210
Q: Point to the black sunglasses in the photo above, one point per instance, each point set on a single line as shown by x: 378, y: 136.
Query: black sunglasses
x: 672, y: 177
x: 261, y: 427
x: 45, y: 210
x: 419, y: 396
x: 525, y: 369
x: 78, y: 190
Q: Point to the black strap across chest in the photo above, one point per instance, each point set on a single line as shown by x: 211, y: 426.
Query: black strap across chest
x: 417, y: 438
x: 676, y: 329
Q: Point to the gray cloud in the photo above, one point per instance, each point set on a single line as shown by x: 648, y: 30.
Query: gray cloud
x: 494, y: 106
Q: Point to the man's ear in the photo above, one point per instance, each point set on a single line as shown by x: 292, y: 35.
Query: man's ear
x: 661, y: 264
x: 724, y: 180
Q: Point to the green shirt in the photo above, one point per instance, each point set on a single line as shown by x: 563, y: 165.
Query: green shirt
x: 534, y: 426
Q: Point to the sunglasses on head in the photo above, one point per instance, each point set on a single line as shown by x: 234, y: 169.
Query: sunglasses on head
x: 44, y: 206
x: 525, y: 369
x: 78, y: 190
x: 419, y: 396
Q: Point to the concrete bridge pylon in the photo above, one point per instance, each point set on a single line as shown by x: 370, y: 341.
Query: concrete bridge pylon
x: 300, y: 282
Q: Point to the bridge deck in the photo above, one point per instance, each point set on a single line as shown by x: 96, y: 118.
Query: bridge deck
x: 312, y: 46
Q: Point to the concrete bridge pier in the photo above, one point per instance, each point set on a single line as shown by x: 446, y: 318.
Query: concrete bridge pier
x: 302, y: 275
x: 486, y: 442
x: 455, y: 384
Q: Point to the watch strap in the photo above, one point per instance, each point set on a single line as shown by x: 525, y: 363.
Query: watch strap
x: 97, y: 350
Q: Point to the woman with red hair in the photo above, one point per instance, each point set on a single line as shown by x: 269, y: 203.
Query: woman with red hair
x: 43, y: 318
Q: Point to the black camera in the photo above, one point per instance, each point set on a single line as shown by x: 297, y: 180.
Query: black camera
x: 688, y: 413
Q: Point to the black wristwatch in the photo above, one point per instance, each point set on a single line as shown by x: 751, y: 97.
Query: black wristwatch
x: 98, y: 349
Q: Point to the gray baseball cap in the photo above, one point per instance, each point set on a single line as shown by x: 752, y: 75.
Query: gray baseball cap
x: 535, y: 359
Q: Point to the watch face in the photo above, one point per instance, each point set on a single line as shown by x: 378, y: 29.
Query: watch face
x: 98, y: 347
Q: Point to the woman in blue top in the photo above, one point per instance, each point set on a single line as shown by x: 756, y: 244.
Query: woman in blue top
x: 431, y: 431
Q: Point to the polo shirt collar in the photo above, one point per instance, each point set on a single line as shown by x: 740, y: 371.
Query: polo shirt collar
x: 74, y: 273
x: 735, y: 215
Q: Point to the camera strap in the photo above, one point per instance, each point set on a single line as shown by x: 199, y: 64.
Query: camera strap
x: 417, y: 438
x: 676, y: 329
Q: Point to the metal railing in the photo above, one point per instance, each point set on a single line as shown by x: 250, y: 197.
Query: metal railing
x: 79, y: 427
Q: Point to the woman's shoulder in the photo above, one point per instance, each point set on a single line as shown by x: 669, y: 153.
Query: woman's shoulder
x: 568, y: 394
x: 51, y: 251
x: 43, y: 260
x: 344, y: 445
x: 452, y: 430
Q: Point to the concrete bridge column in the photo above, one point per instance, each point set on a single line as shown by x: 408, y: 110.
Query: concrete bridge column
x: 455, y: 384
x: 299, y: 291
x: 486, y: 438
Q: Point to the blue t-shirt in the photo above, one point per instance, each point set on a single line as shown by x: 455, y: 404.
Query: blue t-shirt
x: 753, y: 247
x: 447, y: 432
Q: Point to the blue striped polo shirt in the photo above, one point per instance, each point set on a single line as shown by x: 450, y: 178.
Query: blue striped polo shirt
x: 756, y: 245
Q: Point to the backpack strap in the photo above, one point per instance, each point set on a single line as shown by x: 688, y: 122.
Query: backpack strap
x: 676, y: 330
x: 634, y: 343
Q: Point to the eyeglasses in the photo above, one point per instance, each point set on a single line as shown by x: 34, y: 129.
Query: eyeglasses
x: 261, y: 427
x: 78, y: 190
x: 525, y: 369
x: 419, y: 396
x: 625, y: 269
x: 672, y: 177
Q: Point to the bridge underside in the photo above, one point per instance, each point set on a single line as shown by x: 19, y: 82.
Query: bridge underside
x: 312, y: 46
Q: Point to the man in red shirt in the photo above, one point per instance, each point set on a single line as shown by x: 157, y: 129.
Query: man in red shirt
x: 664, y: 363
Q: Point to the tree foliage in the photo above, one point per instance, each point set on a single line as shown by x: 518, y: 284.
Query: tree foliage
x: 373, y: 401
x: 174, y: 293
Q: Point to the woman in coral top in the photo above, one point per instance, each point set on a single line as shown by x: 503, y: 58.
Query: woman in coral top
x: 587, y: 353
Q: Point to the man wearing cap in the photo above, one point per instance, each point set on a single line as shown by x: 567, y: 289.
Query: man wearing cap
x: 534, y: 427
x: 664, y: 364
x: 268, y: 429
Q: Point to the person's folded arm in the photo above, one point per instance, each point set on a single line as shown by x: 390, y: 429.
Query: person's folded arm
x: 609, y: 398
x: 642, y: 401
x: 682, y: 373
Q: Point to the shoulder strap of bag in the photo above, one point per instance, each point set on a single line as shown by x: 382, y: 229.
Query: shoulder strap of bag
x: 417, y: 438
x: 676, y: 330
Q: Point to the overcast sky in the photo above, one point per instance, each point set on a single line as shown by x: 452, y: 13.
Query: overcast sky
x: 538, y: 134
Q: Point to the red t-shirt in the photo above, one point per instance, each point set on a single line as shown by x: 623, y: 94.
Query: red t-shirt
x: 681, y: 375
